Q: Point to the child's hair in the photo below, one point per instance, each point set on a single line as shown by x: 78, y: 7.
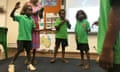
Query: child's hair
x: 77, y: 14
x: 25, y: 7
x: 61, y: 11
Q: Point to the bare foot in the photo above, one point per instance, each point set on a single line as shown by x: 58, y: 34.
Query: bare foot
x: 26, y: 61
x: 81, y: 63
x: 52, y: 60
x: 34, y: 62
x: 65, y: 61
x: 86, y: 66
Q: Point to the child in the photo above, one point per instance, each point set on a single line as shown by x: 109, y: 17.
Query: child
x: 61, y: 26
x: 26, y: 25
x: 81, y: 31
x: 37, y: 14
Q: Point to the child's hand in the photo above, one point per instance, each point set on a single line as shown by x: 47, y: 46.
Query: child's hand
x: 62, y: 21
x: 84, y: 25
x: 68, y: 24
x: 17, y: 5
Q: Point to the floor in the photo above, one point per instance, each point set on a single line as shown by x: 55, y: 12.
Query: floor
x: 12, y: 51
x: 44, y: 65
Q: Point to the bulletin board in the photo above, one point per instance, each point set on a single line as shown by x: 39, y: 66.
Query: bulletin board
x: 53, y: 8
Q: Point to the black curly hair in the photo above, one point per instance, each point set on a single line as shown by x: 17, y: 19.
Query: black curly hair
x: 23, y: 10
x: 83, y: 13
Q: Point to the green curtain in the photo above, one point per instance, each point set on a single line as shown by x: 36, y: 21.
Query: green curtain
x: 103, y: 21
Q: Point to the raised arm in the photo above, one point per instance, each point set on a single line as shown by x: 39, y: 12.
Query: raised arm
x: 41, y: 13
x: 15, y: 8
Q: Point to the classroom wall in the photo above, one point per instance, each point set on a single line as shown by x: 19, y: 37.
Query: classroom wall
x: 13, y: 28
x: 71, y: 41
x: 3, y: 15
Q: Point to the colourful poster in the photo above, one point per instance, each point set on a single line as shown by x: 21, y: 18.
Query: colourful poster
x: 49, y: 2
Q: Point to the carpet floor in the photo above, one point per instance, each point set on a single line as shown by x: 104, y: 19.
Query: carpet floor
x: 44, y: 65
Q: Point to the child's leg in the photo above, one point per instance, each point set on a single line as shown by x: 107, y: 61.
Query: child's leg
x: 28, y: 56
x: 63, y: 55
x: 20, y: 49
x: 82, y: 55
x: 30, y: 66
x: 82, y: 58
x: 63, y: 52
x: 55, y: 53
x: 88, y: 56
x: 28, y: 46
x: 64, y: 44
x: 11, y: 67
x: 33, y: 57
x: 87, y: 65
x: 57, y: 45
x: 15, y: 57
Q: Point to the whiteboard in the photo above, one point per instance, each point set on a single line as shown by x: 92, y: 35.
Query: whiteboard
x: 91, y: 8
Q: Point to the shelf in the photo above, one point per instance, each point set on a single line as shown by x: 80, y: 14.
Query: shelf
x: 50, y: 20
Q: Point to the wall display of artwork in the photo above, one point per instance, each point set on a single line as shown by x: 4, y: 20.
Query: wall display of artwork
x: 49, y: 2
x: 50, y: 20
x: 50, y: 13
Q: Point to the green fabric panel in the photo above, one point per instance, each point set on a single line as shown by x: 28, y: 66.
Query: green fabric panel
x: 103, y: 21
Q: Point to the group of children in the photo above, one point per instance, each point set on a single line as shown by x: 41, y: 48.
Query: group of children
x: 28, y: 34
x: 81, y: 36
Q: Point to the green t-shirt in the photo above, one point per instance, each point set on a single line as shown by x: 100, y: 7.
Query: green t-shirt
x: 80, y: 31
x: 62, y: 32
x: 26, y: 24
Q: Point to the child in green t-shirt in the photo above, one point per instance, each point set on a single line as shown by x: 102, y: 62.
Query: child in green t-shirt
x: 61, y: 26
x: 24, y: 39
x: 82, y: 28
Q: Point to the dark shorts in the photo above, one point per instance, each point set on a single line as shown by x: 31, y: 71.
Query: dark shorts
x: 59, y: 41
x: 21, y: 45
x: 83, y: 46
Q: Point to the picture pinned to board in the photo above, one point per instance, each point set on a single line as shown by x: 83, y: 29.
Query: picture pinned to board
x: 48, y: 26
x: 49, y: 2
